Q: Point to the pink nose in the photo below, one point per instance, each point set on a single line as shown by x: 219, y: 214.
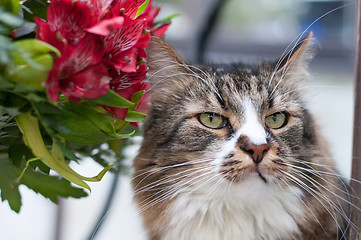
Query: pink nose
x: 256, y: 151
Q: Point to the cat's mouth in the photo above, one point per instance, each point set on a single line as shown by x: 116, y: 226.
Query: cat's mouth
x: 259, y: 174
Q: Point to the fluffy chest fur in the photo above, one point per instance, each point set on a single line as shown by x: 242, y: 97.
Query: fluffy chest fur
x: 250, y: 210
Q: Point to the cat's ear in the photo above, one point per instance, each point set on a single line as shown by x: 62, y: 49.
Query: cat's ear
x: 163, y: 62
x: 296, y: 60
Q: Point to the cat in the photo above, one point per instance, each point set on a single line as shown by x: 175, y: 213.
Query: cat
x: 232, y: 152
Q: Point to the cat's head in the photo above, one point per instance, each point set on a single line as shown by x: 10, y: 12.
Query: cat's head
x: 233, y: 121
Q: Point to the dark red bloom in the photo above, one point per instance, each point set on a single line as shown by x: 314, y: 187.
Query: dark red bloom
x: 92, y: 82
x: 102, y: 47
x: 149, y: 15
x: 119, y: 45
x: 66, y: 30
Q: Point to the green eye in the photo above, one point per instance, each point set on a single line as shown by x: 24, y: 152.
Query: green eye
x: 212, y: 120
x: 276, y: 121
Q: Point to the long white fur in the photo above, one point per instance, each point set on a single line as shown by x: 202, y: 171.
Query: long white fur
x: 250, y: 210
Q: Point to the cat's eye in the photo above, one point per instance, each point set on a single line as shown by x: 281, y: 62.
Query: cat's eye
x: 212, y: 120
x: 276, y: 120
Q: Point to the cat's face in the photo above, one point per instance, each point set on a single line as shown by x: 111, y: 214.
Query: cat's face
x: 234, y: 122
x: 228, y: 146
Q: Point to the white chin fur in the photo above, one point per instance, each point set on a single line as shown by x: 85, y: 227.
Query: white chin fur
x: 249, y: 210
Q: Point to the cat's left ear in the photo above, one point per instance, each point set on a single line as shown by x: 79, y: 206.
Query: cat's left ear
x: 163, y: 62
x: 296, y: 60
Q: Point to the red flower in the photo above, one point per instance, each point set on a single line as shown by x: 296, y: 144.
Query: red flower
x: 102, y: 47
x: 92, y: 82
x: 66, y: 30
x: 149, y: 14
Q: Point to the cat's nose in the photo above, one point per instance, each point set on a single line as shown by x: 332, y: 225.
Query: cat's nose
x: 256, y: 151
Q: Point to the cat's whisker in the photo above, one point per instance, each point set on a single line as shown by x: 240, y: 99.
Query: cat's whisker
x: 335, y: 206
x: 338, y: 206
x: 330, y: 173
x: 305, y: 204
x: 160, y: 169
x: 207, y: 80
x: 298, y: 38
x: 288, y: 66
x: 315, y: 194
x: 317, y: 173
x: 173, y: 177
x: 173, y: 192
x: 215, y: 186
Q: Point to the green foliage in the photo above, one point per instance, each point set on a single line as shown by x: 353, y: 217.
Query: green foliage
x: 31, y: 60
x: 11, y: 6
x: 141, y: 8
x: 9, y: 187
x: 33, y: 8
x: 112, y: 99
x: 78, y: 123
x: 38, y: 135
x: 50, y: 187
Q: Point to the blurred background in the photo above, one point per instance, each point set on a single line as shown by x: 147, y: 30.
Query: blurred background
x: 247, y: 31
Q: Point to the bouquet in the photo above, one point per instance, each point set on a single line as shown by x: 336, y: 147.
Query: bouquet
x: 71, y: 85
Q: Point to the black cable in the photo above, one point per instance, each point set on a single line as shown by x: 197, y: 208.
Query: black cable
x: 208, y: 28
x: 104, y: 213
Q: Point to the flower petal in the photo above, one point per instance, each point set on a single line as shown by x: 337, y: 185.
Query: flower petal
x: 123, y: 7
x: 70, y: 19
x: 107, y: 26
x: 125, y: 38
x: 52, y: 85
x: 93, y: 82
x: 143, y: 41
x: 76, y: 58
x: 125, y: 61
x: 159, y: 31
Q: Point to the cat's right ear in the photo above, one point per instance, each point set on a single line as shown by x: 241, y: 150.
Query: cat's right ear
x: 164, y: 63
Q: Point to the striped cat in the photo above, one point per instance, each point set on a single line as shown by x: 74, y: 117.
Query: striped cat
x: 232, y: 152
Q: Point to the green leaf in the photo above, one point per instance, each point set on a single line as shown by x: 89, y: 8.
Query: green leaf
x: 30, y: 75
x: 11, y: 6
x: 5, y: 47
x: 13, y: 104
x: 166, y: 19
x: 67, y: 153
x: 34, y: 8
x: 141, y: 8
x: 31, y: 134
x: 50, y: 186
x: 10, y: 20
x: 31, y: 62
x: 112, y: 99
x: 9, y: 188
x: 135, y: 116
x: 30, y: 48
x: 17, y: 153
x: 136, y: 97
x: 32, y: 138
x: 78, y: 123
